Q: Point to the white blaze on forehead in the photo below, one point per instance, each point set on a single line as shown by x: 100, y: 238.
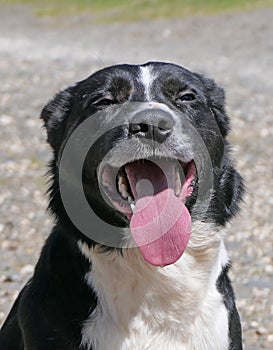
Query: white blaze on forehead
x: 147, y: 77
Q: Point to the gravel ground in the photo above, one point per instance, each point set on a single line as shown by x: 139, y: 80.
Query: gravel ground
x: 40, y: 56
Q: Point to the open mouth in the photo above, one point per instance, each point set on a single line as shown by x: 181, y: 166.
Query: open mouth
x: 153, y: 194
x: 121, y: 185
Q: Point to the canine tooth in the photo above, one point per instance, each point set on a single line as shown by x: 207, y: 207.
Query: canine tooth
x: 122, y: 186
x: 119, y: 184
x: 130, y: 200
x: 123, y: 191
x: 177, y: 183
x: 121, y: 180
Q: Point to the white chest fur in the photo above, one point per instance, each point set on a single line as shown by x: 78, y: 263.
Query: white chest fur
x: 142, y: 307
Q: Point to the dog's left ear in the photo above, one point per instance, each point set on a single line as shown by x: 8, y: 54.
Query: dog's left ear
x: 216, y: 99
x: 228, y: 192
x: 229, y: 185
x: 231, y: 190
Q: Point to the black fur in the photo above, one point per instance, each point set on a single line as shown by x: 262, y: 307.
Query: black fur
x: 225, y: 288
x: 50, y: 310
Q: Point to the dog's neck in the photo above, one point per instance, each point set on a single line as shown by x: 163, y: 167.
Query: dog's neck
x: 168, y: 298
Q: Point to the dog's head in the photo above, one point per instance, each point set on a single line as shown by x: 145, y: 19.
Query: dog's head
x: 147, y: 147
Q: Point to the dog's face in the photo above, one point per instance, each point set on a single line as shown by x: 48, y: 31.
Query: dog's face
x: 158, y: 156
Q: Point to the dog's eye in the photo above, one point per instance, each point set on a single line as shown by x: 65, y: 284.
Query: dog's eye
x: 186, y: 97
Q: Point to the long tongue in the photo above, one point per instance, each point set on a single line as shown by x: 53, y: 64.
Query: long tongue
x: 161, y: 223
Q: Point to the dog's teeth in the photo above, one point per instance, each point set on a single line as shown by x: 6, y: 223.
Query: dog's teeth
x: 121, y: 180
x: 177, y: 183
x: 123, y: 191
x: 131, y: 202
x: 122, y: 187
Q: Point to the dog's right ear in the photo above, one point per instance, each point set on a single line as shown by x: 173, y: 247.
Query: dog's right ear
x: 55, y: 114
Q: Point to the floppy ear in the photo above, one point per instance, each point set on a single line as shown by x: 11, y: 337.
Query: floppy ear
x: 216, y: 98
x: 231, y: 190
x: 55, y: 114
x: 228, y: 191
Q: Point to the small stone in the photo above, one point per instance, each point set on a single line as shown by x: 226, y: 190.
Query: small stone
x: 254, y: 324
x: 270, y: 338
x: 27, y: 269
x: 5, y: 120
x: 261, y: 331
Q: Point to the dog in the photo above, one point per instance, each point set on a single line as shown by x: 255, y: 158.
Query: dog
x: 142, y: 187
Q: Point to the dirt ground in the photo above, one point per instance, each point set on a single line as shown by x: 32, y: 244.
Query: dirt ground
x: 39, y: 56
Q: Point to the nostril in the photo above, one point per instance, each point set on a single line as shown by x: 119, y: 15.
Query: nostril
x: 164, y: 125
x: 139, y: 128
x: 144, y: 127
x: 155, y: 125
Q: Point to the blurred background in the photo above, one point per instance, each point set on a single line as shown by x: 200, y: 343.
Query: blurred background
x: 48, y: 45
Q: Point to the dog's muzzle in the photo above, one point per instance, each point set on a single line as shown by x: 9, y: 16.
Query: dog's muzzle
x: 152, y: 124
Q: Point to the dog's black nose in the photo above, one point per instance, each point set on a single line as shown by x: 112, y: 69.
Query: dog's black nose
x: 153, y: 124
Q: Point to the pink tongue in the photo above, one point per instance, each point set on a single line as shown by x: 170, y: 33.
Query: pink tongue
x: 161, y: 223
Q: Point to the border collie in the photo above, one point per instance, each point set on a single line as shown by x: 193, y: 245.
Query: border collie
x: 142, y: 187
